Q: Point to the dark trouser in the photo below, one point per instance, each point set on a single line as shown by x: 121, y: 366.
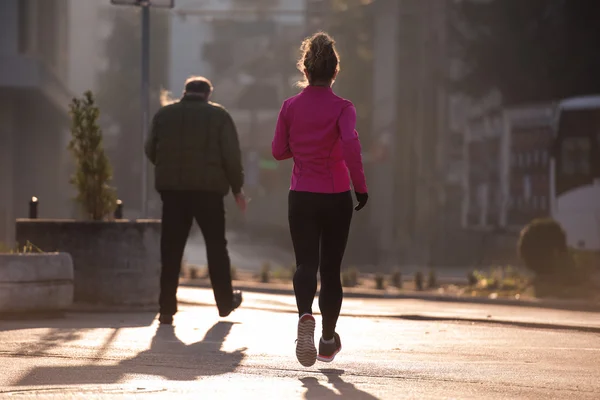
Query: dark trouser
x: 180, y: 208
x: 319, y: 224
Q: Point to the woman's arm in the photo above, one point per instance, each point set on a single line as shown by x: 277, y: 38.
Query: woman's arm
x: 352, y: 149
x: 280, y: 147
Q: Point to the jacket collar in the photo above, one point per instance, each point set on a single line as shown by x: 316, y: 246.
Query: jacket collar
x: 194, y: 98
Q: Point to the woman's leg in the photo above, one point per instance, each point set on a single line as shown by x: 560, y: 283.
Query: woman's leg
x: 336, y: 227
x: 305, y: 231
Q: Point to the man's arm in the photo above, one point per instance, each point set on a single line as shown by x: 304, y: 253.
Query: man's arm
x: 232, y: 155
x: 150, y: 146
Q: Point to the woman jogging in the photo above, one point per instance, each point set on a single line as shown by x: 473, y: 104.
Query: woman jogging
x: 317, y: 129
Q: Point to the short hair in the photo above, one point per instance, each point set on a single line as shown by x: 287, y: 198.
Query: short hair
x: 198, y: 85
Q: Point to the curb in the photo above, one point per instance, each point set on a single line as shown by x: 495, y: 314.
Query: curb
x: 566, y: 305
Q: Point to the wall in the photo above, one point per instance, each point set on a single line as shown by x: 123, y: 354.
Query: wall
x: 7, y: 125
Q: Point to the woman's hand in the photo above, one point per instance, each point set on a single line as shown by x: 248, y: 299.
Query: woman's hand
x: 362, y: 200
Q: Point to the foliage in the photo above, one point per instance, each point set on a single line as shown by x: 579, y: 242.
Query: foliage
x: 379, y: 281
x: 543, y: 247
x: 472, y: 278
x: 533, y: 50
x: 504, y: 278
x: 265, y: 273
x: 93, y: 170
x: 419, y: 281
x: 396, y: 279
x: 28, y: 248
x: 350, y: 277
x: 432, y: 281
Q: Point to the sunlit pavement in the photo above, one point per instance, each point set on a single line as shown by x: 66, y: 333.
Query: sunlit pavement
x: 396, y: 349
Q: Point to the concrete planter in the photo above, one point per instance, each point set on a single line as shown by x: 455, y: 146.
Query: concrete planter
x: 116, y: 263
x: 35, y: 282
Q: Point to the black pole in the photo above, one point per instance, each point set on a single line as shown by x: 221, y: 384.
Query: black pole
x: 33, y: 208
x: 119, y: 210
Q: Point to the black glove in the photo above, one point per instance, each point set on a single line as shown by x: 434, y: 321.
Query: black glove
x: 362, y: 200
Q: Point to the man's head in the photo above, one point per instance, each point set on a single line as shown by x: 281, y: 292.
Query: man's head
x: 198, y: 86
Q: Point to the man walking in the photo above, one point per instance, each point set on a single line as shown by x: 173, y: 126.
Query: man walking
x: 194, y: 147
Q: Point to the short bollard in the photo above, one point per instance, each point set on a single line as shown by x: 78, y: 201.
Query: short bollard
x: 33, y: 208
x: 119, y: 210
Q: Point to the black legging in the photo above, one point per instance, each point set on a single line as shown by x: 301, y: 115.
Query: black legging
x: 319, y: 225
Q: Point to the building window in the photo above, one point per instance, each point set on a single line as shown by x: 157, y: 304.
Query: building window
x: 527, y: 187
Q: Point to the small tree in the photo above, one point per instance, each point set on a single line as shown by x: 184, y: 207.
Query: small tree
x: 543, y: 247
x: 93, y: 170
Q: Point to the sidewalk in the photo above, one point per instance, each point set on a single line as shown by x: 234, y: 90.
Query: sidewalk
x: 364, y: 293
x: 418, y: 310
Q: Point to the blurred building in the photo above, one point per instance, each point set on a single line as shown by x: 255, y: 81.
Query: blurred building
x: 248, y: 49
x: 409, y: 105
x: 34, y: 98
x: 507, y: 172
x: 527, y: 139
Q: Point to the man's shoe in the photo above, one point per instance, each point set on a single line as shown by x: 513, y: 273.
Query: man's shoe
x: 329, y: 349
x: 237, y: 301
x: 165, y: 319
x: 306, y: 352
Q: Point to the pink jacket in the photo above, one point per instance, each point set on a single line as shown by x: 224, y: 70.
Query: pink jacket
x: 317, y: 129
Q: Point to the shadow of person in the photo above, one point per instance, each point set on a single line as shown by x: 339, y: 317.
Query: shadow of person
x: 315, y: 390
x: 169, y: 357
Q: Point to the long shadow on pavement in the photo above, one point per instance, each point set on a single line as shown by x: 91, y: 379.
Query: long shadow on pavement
x: 61, y: 329
x: 315, y: 391
x: 167, y: 357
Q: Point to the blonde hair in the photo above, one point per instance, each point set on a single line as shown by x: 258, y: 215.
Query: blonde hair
x: 319, y: 59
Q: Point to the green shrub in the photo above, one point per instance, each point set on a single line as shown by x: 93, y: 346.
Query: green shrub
x: 543, y: 247
x: 93, y: 172
x: 432, y: 282
x: 25, y: 249
x: 419, y: 280
x: 472, y: 278
x: 396, y: 279
x: 265, y: 273
x: 350, y: 277
x: 379, y: 281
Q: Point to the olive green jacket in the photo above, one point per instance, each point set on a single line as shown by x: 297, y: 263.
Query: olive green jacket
x: 194, y: 145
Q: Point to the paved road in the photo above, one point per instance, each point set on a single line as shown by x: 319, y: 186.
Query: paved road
x: 250, y: 355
